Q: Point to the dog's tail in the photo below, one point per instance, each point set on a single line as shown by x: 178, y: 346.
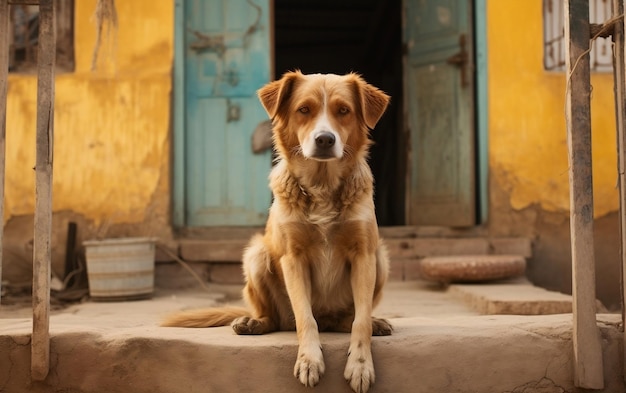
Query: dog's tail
x: 208, y: 317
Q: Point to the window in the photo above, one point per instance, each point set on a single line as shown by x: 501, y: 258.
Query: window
x: 601, y: 55
x: 24, y: 33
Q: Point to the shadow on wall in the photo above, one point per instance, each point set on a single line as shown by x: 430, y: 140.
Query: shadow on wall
x: 17, y: 261
x: 551, y: 265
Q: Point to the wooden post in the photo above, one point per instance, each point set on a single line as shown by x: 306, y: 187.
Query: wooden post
x: 40, y: 343
x: 588, y: 368
x: 4, y: 76
x: 619, y: 78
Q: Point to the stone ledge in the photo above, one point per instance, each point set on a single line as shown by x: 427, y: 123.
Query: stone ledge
x: 515, y: 297
x: 439, y: 345
x: 443, y: 354
x: 230, y: 249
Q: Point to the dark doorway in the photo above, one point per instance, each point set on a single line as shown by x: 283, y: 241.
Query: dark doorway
x: 364, y: 36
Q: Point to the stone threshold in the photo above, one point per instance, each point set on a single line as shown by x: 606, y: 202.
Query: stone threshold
x: 441, y: 343
x: 450, y: 354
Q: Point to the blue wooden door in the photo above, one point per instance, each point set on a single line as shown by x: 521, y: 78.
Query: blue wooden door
x: 226, y: 59
x: 439, y: 87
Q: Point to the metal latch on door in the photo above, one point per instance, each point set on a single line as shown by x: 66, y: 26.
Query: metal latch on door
x: 461, y: 59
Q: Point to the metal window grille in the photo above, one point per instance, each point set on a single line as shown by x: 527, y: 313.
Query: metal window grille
x: 24, y: 33
x: 601, y: 54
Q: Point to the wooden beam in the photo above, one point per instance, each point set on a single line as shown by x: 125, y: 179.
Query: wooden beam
x: 588, y: 368
x: 619, y: 79
x: 4, y: 76
x: 40, y: 343
x: 213, y: 250
x: 24, y: 2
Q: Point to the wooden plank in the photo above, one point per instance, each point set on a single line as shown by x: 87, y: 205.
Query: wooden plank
x: 439, y: 103
x: 387, y: 232
x: 422, y: 247
x: 24, y: 2
x: 40, y: 343
x: 219, y: 233
x: 588, y: 368
x: 213, y: 250
x: 619, y: 74
x: 224, y: 186
x: 228, y: 246
x: 511, y: 246
x: 430, y: 231
x: 411, y: 269
x: 401, y: 248
x: 226, y: 273
x: 178, y: 134
x: 397, y: 269
x: 4, y: 76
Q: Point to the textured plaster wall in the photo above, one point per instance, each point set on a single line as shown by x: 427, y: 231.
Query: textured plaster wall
x: 528, y: 167
x: 112, y: 125
x: 112, y: 140
x: 527, y: 135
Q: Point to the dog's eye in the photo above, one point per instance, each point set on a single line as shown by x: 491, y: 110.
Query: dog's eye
x: 303, y: 109
x: 344, y: 110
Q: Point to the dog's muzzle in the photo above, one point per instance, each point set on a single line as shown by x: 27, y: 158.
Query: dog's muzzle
x: 324, y: 140
x: 325, y: 148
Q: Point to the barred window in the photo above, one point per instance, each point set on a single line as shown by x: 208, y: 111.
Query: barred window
x: 24, y: 34
x: 601, y: 55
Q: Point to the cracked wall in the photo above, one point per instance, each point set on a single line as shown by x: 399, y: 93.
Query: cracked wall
x: 527, y: 134
x: 112, y: 138
x: 112, y: 125
x: 528, y: 165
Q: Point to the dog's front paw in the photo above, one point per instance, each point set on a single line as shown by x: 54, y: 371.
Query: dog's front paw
x: 359, y: 371
x: 247, y: 325
x: 381, y: 327
x: 309, y: 366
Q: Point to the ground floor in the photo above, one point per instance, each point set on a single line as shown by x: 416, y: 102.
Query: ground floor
x: 443, y: 340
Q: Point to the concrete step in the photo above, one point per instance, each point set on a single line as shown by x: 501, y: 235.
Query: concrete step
x: 439, y: 345
x: 218, y: 252
x: 512, y: 297
x: 172, y: 275
x: 231, y: 249
x: 471, y: 354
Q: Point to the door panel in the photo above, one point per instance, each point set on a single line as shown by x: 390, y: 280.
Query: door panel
x: 227, y: 58
x: 440, y: 112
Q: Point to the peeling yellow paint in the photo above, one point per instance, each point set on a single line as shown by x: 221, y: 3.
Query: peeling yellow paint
x: 111, y: 126
x: 528, y: 142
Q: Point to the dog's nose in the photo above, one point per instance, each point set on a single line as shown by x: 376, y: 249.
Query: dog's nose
x: 325, y: 140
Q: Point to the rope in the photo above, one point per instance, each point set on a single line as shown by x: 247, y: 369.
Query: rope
x: 606, y: 26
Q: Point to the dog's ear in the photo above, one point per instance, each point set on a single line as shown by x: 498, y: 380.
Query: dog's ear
x: 275, y: 94
x: 373, y: 102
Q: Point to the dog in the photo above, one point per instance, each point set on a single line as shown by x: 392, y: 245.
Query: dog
x: 320, y: 264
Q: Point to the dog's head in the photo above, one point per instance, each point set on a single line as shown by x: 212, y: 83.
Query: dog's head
x: 322, y: 116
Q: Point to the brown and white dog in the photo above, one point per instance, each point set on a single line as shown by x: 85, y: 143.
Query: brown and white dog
x: 320, y: 266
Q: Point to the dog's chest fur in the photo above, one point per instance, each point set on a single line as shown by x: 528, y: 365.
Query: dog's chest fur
x: 313, y: 219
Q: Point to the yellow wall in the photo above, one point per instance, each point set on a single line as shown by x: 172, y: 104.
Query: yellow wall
x: 528, y: 145
x: 111, y: 126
